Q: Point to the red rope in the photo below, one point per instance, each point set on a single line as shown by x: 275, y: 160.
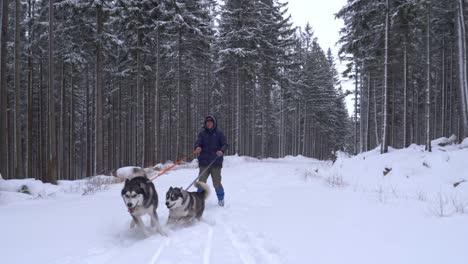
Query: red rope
x: 173, y: 165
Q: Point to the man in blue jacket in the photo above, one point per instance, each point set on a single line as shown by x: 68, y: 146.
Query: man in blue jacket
x: 211, y: 145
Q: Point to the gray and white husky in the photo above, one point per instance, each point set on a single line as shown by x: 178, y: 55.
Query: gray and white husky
x: 186, y: 206
x: 140, y: 197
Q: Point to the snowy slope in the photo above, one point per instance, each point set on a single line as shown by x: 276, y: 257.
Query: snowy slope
x: 291, y: 210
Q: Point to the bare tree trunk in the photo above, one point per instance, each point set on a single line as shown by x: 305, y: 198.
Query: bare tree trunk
x: 179, y: 76
x: 384, y: 146
x: 30, y: 160
x: 392, y: 126
x: 88, y: 128
x: 71, y: 147
x: 376, y: 119
x: 252, y: 118
x: 61, y: 136
x: 157, y: 110
x: 120, y: 129
x: 170, y: 136
x: 133, y: 141
x: 52, y: 155
x: 417, y: 117
x: 41, y: 141
x: 450, y: 93
x: 356, y: 109
x: 462, y: 67
x: 139, y: 108
x: 3, y: 92
x: 304, y: 139
x: 443, y: 88
x: 98, y: 155
x: 428, y: 87
x: 413, y: 111
x: 18, y: 135
x: 281, y: 134
x: 361, y: 115
x: 434, y: 116
x: 238, y: 112
x: 368, y: 112
x: 405, y: 99
x: 143, y: 137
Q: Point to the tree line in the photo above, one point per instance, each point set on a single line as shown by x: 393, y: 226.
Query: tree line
x: 90, y: 86
x: 409, y: 63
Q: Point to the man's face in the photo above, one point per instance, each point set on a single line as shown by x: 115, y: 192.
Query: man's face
x: 209, y: 124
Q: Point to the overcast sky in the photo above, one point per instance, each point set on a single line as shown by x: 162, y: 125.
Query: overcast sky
x: 321, y: 16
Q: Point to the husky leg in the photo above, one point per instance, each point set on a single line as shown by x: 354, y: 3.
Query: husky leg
x: 132, y: 224
x: 154, y: 218
x: 187, y: 220
x: 141, y: 226
x: 138, y: 221
x: 155, y: 223
x: 170, y: 221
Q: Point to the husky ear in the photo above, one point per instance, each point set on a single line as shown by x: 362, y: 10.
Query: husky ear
x: 170, y: 189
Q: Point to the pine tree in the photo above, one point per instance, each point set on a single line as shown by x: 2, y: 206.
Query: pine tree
x: 52, y: 139
x: 128, y: 73
x: 462, y: 62
x: 3, y: 92
x: 394, y: 54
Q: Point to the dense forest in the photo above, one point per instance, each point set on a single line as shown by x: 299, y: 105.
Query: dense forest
x: 408, y: 59
x: 90, y: 86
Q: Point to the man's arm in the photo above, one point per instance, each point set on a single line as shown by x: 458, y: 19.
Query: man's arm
x: 198, y: 142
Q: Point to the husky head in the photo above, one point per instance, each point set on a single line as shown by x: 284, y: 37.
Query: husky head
x: 174, y: 198
x: 133, y: 194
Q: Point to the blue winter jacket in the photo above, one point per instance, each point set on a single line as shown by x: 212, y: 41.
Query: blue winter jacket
x: 210, y: 141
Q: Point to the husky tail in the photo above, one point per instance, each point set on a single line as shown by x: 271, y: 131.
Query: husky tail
x: 203, y: 186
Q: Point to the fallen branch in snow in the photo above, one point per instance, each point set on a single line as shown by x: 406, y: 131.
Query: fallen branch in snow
x: 387, y: 171
x: 458, y: 183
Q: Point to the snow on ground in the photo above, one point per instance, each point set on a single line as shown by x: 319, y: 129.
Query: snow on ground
x: 290, y: 210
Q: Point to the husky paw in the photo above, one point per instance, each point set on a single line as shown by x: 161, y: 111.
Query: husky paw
x: 163, y: 232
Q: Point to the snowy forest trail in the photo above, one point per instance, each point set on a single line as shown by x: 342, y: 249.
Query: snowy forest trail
x: 273, y: 214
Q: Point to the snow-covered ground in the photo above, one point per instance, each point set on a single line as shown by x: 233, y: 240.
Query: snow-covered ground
x: 290, y: 210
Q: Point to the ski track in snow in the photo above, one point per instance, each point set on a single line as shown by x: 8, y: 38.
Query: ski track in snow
x: 250, y: 246
x: 207, y: 252
x: 156, y: 256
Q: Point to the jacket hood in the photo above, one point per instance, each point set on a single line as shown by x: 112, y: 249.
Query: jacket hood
x: 215, y: 123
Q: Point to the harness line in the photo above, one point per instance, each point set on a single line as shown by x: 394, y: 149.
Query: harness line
x: 205, y: 170
x: 173, y: 165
